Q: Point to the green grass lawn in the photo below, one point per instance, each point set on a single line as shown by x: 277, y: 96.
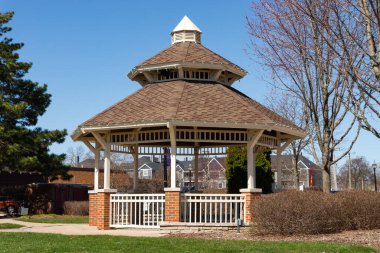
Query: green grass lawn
x: 53, y: 218
x: 9, y: 225
x: 33, y: 242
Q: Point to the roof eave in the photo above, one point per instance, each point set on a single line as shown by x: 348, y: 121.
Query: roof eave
x: 299, y: 134
x: 139, y: 69
x: 76, y: 134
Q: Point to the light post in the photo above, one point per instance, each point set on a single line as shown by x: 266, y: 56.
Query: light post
x: 374, y: 167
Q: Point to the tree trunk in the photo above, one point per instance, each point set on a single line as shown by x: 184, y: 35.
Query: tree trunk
x: 296, y: 172
x: 326, y: 181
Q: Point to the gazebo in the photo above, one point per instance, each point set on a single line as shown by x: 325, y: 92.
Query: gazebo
x: 186, y: 105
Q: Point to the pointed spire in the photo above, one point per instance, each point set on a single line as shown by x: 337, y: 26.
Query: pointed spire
x: 186, y: 30
x: 186, y: 25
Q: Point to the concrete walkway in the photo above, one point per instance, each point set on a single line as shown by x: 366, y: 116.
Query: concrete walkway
x: 78, y: 229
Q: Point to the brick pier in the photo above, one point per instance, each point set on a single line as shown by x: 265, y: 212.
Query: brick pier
x: 99, y: 208
x: 172, y: 205
x: 251, y: 195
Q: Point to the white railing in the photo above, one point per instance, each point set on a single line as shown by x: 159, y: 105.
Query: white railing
x: 212, y: 209
x: 137, y: 210
x: 268, y: 141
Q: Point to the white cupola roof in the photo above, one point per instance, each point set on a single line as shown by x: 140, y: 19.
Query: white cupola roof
x: 186, y: 25
x: 186, y: 30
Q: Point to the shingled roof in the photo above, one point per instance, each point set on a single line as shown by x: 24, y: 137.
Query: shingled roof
x: 188, y: 52
x: 187, y: 101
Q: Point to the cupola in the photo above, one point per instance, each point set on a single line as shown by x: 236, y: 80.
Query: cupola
x: 186, y: 59
x: 186, y: 30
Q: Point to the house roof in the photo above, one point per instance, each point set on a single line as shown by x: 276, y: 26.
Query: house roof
x: 188, y: 101
x: 90, y: 163
x: 287, y: 161
x: 214, y: 163
x: 188, y: 52
x: 146, y: 160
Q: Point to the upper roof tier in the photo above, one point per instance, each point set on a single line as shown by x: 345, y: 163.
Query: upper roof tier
x: 186, y: 59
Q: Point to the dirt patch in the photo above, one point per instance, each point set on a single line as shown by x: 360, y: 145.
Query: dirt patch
x: 362, y: 237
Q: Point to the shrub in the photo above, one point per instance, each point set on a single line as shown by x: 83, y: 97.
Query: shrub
x: 75, y: 208
x: 236, y: 173
x: 316, y: 212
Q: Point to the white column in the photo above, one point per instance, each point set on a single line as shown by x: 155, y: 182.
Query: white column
x: 173, y: 156
x: 107, y: 165
x: 173, y: 165
x: 196, y: 151
x: 279, y: 170
x: 96, y: 168
x: 253, y: 138
x: 251, y: 167
x: 136, y: 167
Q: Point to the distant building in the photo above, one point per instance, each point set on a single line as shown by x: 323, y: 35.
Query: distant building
x: 211, y: 173
x: 148, y: 166
x: 310, y: 174
x: 83, y: 173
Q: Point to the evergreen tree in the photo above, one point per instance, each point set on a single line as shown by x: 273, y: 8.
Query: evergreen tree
x: 236, y: 173
x: 24, y: 147
x: 264, y: 171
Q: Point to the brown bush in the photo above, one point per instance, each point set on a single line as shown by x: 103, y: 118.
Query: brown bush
x: 75, y: 208
x: 316, y: 212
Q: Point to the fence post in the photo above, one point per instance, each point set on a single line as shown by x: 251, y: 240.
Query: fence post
x: 172, y: 205
x: 103, y: 204
x: 251, y: 195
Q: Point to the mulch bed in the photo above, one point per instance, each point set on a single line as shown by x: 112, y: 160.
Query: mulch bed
x: 362, y: 237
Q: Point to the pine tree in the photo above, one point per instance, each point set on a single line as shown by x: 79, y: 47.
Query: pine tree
x: 236, y: 173
x: 24, y: 147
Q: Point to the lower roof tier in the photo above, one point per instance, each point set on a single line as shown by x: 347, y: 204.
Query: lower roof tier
x: 188, y: 103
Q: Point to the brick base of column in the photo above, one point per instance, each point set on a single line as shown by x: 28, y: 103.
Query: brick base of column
x: 103, y: 202
x: 251, y: 195
x: 172, y: 205
x: 92, y: 210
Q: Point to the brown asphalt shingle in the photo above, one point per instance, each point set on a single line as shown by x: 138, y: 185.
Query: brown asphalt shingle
x: 187, y: 52
x: 187, y: 101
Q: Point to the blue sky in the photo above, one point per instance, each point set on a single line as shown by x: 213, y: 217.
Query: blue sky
x: 83, y: 50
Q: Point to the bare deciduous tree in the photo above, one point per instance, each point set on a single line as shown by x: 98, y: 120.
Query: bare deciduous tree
x: 361, y: 174
x: 290, y: 107
x: 358, y: 28
x: 75, y: 154
x: 299, y: 54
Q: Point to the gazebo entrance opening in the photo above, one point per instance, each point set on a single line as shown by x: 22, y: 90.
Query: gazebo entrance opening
x: 186, y: 105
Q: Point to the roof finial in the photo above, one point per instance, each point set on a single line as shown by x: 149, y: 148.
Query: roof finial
x: 186, y: 30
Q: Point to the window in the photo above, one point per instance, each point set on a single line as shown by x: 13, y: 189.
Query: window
x: 197, y: 75
x: 167, y: 75
x: 145, y: 173
x: 220, y: 185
